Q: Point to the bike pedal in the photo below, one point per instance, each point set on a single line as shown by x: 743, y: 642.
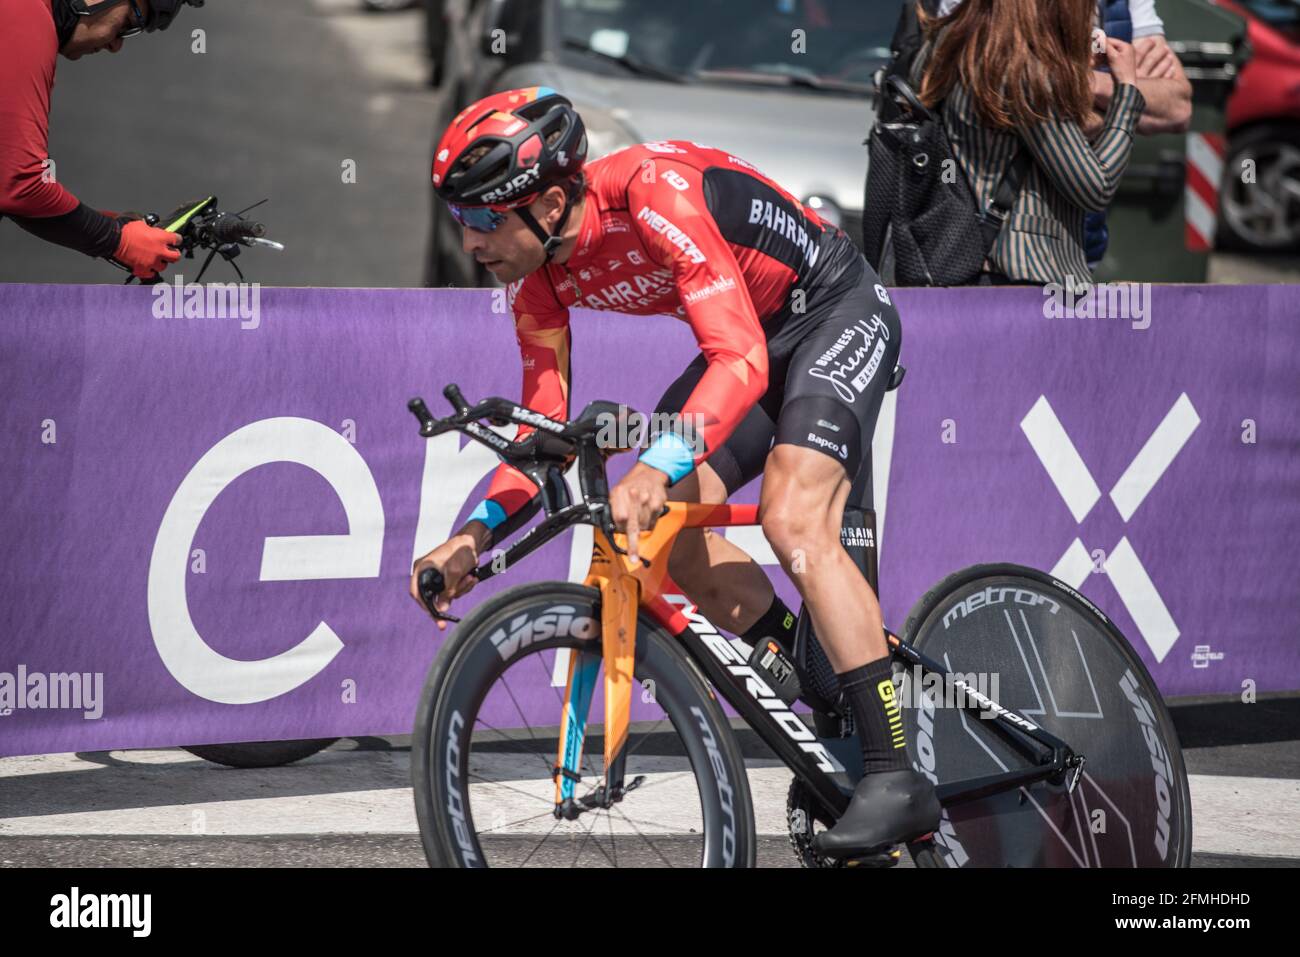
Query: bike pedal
x: 877, y: 859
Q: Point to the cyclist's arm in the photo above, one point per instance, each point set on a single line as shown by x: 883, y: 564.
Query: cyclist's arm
x: 673, y: 220
x: 542, y: 331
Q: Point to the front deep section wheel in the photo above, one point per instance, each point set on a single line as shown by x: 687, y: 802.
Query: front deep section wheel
x: 1037, y: 647
x: 486, y: 741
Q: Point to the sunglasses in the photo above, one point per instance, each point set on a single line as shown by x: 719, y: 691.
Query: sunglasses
x: 82, y: 9
x: 483, y: 219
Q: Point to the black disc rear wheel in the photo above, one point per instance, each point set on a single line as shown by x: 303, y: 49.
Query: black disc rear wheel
x: 1039, y: 648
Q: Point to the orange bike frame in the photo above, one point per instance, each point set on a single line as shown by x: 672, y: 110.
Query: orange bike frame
x: 624, y: 589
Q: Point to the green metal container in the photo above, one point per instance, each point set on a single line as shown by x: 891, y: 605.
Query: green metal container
x: 1159, y: 219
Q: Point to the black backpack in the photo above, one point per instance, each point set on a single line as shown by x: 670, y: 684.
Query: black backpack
x: 936, y: 232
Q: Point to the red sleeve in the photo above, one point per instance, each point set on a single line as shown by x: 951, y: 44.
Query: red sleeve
x: 542, y: 330
x: 668, y: 206
x: 28, y: 50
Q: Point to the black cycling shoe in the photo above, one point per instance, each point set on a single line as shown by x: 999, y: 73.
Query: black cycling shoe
x: 887, y: 808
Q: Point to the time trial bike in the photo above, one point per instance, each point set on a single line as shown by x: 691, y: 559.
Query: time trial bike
x: 579, y: 724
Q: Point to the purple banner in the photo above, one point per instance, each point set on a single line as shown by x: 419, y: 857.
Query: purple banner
x: 209, y: 522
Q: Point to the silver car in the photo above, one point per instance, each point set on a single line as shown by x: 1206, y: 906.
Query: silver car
x: 785, y: 84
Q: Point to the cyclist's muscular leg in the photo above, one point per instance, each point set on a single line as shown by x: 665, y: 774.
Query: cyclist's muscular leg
x: 804, y: 493
x: 834, y: 389
x: 726, y: 584
x: 803, y: 498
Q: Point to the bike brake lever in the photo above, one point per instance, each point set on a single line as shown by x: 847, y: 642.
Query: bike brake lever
x: 431, y: 584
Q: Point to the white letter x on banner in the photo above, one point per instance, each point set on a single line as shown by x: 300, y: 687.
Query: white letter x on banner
x: 1077, y: 487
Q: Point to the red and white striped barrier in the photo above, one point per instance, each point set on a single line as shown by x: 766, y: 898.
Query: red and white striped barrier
x: 1205, y: 152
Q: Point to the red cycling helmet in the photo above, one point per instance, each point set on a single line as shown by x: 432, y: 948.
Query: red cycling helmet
x: 504, y: 150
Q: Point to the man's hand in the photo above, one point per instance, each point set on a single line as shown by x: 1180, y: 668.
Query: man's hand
x: 1155, y: 60
x: 636, y: 502
x: 1163, y: 83
x: 455, y: 558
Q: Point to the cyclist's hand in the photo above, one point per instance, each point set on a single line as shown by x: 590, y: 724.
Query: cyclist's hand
x: 636, y: 502
x: 146, y: 250
x: 455, y: 558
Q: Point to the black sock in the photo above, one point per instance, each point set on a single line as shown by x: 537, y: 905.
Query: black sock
x: 877, y: 717
x: 777, y: 623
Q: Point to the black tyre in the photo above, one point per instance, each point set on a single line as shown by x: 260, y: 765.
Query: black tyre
x: 1262, y: 215
x: 486, y: 737
x: 1063, y: 665
x: 259, y: 754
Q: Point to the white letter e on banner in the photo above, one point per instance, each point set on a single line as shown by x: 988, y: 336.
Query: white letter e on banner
x: 355, y: 555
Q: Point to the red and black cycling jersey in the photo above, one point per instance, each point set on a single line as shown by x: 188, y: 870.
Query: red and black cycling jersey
x: 680, y: 229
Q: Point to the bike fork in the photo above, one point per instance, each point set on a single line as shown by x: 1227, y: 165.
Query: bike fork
x: 620, y: 594
x: 578, y: 690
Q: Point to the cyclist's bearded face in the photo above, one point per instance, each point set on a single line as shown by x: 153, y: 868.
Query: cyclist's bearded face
x: 100, y: 30
x: 512, y: 251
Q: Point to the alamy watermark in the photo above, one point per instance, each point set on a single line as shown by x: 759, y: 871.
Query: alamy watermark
x: 1103, y: 300
x: 629, y: 429
x: 74, y: 909
x: 210, y: 300
x: 75, y: 691
x: 951, y: 690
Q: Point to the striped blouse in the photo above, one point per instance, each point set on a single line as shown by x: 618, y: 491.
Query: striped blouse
x: 1042, y: 239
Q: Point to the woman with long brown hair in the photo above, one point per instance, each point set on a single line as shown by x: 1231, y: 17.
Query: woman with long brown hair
x: 1013, y: 75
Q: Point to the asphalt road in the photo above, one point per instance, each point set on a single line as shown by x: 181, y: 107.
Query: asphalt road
x: 351, y: 806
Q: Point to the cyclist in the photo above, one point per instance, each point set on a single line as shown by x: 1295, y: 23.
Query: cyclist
x: 797, y: 338
x: 35, y: 32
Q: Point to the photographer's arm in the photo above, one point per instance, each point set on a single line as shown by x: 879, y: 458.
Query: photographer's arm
x: 84, y: 229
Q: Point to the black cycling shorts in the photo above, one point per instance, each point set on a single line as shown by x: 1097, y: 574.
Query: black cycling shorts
x: 826, y: 380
